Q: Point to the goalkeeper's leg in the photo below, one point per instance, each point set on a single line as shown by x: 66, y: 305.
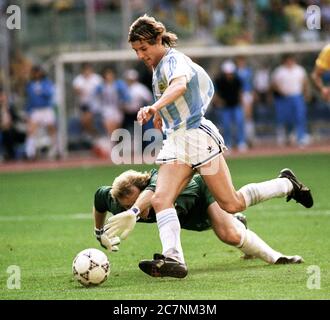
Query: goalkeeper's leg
x: 233, y: 232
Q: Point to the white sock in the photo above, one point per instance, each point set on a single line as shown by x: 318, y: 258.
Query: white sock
x: 254, y: 246
x: 254, y: 193
x: 30, y: 147
x: 169, y: 233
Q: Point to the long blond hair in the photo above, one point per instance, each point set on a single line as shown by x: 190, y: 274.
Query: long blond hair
x: 122, y: 185
x: 147, y: 28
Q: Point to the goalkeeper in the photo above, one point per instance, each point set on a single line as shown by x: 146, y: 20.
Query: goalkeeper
x: 128, y: 199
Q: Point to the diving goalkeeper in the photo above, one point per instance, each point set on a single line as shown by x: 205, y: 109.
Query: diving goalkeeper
x: 128, y: 199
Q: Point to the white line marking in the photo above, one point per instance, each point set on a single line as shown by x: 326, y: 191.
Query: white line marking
x: 76, y: 216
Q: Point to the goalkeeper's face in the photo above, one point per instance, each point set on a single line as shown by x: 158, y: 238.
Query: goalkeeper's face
x: 128, y: 201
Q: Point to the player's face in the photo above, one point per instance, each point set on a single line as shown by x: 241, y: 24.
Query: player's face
x: 128, y: 201
x: 150, y: 54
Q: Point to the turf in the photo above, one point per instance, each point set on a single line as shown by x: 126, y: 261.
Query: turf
x: 45, y: 220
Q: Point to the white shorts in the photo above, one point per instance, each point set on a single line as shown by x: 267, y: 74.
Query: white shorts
x: 194, y: 147
x: 43, y: 117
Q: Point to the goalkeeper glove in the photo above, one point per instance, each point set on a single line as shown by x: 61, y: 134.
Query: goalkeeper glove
x: 122, y: 224
x: 109, y: 243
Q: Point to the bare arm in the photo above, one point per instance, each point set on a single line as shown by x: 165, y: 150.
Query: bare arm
x: 99, y: 218
x: 175, y: 90
x: 143, y: 202
x: 317, y: 77
x: 318, y: 82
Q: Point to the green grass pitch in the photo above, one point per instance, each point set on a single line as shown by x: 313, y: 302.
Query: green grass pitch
x: 46, y: 219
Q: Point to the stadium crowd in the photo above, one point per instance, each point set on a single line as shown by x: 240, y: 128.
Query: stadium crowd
x: 246, y: 100
x: 215, y: 21
x: 252, y: 100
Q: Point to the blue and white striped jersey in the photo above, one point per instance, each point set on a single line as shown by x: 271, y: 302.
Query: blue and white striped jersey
x: 188, y: 110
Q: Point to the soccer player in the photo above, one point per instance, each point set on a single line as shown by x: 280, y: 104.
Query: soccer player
x: 322, y: 65
x: 183, y: 91
x: 197, y: 210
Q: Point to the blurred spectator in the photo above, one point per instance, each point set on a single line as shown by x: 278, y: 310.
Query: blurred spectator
x: 263, y: 111
x: 228, y: 108
x: 85, y: 85
x: 295, y: 15
x: 322, y: 66
x: 277, y: 21
x: 262, y: 86
x: 140, y: 96
x: 40, y: 114
x: 245, y: 73
x: 114, y: 97
x: 12, y: 133
x: 289, y: 81
x: 20, y: 69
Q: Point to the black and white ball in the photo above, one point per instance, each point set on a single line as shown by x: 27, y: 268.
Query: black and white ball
x: 91, y: 267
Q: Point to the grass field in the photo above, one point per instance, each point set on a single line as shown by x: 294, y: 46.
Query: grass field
x: 45, y: 220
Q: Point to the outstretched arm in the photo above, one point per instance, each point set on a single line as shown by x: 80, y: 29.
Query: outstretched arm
x: 122, y: 224
x: 109, y: 243
x: 99, y: 218
x: 143, y: 202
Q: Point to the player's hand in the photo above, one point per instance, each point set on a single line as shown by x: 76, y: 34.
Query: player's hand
x: 145, y: 114
x: 110, y: 244
x: 326, y: 93
x: 122, y: 224
x: 158, y: 123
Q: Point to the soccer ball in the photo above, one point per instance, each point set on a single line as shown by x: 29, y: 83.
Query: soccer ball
x: 91, y: 267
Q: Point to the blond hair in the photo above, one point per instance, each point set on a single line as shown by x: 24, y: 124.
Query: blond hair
x: 147, y: 28
x: 122, y: 185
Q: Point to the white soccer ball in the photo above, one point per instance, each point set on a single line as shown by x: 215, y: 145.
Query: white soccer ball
x: 91, y: 267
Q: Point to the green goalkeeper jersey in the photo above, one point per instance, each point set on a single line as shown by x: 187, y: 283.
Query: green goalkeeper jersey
x: 191, y: 205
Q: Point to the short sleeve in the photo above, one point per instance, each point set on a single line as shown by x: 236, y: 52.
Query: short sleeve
x: 100, y: 199
x: 153, y: 180
x: 176, y: 66
x: 323, y: 60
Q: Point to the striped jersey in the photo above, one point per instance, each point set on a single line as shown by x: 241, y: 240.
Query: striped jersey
x: 188, y: 110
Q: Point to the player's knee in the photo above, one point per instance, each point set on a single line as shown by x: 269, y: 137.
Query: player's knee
x: 232, y: 207
x: 160, y: 202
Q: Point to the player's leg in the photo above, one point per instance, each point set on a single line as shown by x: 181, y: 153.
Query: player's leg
x: 217, y: 177
x: 233, y: 232
x: 50, y: 123
x: 30, y: 144
x: 221, y: 186
x: 172, y: 178
x: 227, y: 119
x: 300, y: 119
x: 240, y: 128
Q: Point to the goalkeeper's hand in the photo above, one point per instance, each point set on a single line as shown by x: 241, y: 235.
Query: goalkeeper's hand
x: 122, y: 224
x: 110, y: 244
